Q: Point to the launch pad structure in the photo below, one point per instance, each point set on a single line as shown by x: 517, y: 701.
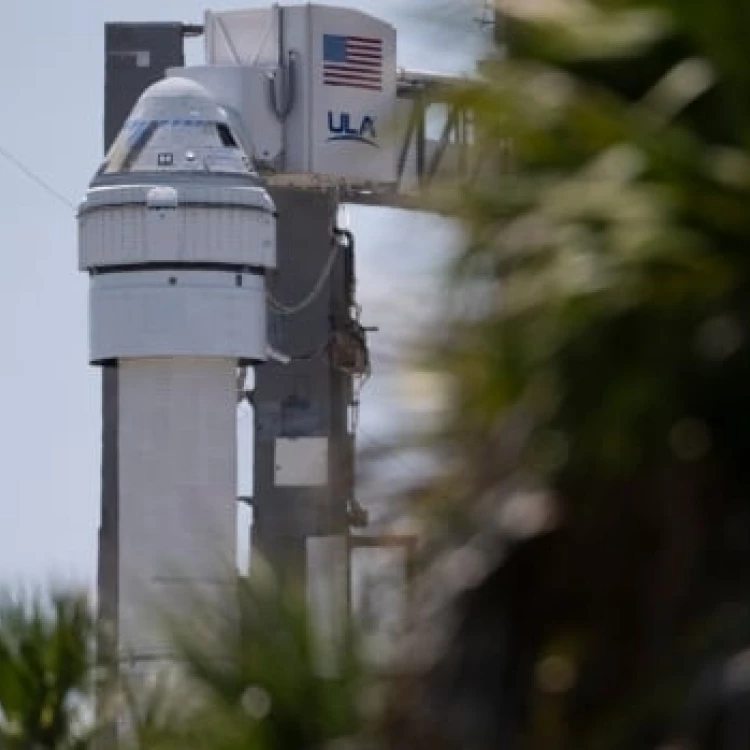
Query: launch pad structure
x: 304, y: 496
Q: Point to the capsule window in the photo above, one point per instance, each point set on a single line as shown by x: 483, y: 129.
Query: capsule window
x: 225, y: 135
x: 155, y: 145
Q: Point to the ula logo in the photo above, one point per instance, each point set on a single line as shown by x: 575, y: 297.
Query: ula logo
x: 342, y: 129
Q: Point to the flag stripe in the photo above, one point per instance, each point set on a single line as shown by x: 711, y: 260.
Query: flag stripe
x: 371, y: 59
x: 366, y: 72
x: 333, y: 74
x: 350, y: 77
x: 363, y: 49
x: 368, y: 86
x: 366, y: 40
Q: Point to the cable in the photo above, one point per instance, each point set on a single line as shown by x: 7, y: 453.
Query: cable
x: 35, y: 178
x: 355, y: 403
x: 289, y: 84
x: 288, y: 73
x: 286, y: 309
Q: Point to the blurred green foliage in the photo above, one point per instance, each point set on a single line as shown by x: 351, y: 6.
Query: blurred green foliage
x: 597, y: 429
x: 273, y: 680
x: 45, y: 670
x: 260, y: 675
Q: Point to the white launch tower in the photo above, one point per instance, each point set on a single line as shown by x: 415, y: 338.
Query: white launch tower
x: 177, y: 234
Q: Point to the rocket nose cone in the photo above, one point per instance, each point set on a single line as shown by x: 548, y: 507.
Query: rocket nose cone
x: 176, y: 127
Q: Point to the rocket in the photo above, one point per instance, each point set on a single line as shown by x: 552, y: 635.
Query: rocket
x: 177, y: 234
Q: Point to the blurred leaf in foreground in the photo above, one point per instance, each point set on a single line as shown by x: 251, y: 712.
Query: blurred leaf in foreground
x: 266, y: 679
x: 590, y: 530
x: 46, y: 647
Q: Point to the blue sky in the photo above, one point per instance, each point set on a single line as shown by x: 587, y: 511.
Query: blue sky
x: 51, y: 79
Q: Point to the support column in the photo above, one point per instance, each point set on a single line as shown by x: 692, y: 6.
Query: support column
x: 302, y: 407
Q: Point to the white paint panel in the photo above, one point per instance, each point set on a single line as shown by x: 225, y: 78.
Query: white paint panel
x: 177, y: 484
x: 301, y: 462
x: 297, y: 124
x: 335, y: 132
x: 328, y: 596
x: 164, y: 233
x: 177, y: 313
x: 365, y: 116
x: 241, y: 37
x: 380, y: 600
x: 132, y: 234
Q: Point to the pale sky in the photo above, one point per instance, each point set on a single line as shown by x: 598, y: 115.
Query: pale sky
x: 51, y: 79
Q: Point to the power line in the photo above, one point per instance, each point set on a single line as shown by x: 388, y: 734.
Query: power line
x: 16, y: 162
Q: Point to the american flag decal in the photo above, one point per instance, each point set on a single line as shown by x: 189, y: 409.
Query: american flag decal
x: 355, y: 61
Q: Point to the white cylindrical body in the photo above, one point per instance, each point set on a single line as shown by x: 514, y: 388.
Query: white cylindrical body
x: 177, y: 496
x: 177, y: 312
x: 177, y: 235
x: 130, y: 225
x: 177, y: 270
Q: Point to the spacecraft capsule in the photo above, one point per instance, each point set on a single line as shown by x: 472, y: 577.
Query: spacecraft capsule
x: 177, y: 232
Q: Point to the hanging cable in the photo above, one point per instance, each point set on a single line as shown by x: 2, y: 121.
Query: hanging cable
x: 361, y: 382
x: 282, y: 308
x: 289, y: 88
x: 288, y: 73
x: 16, y: 162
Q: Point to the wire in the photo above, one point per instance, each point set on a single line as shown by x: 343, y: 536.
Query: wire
x: 286, y: 309
x: 356, y: 398
x: 289, y: 82
x: 36, y: 178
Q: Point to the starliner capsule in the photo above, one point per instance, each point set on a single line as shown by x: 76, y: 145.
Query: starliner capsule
x: 177, y: 235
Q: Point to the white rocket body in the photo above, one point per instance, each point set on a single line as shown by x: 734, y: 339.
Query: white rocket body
x: 177, y: 235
